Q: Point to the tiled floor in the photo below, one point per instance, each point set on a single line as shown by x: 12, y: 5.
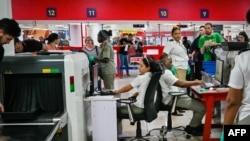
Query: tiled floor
x: 130, y: 130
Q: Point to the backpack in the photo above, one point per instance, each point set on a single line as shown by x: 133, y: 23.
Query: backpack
x: 93, y: 63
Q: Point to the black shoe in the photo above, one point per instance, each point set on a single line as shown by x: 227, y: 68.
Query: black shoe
x: 195, y: 131
x: 181, y: 111
x: 176, y: 114
x: 128, y: 74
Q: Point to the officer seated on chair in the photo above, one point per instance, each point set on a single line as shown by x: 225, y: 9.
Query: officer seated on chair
x: 167, y: 81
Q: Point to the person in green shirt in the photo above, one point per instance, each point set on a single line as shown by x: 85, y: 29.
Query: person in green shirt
x: 209, y: 40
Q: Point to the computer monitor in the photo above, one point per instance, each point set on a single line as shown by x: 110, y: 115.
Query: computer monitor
x: 219, y: 71
x: 234, y: 46
x: 93, y: 78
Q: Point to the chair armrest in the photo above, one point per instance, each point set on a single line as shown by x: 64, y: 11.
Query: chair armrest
x: 175, y: 96
x: 177, y: 93
x: 131, y: 115
x: 128, y: 103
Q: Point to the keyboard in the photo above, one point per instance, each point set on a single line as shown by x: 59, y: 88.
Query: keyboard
x: 105, y: 92
x: 208, y: 85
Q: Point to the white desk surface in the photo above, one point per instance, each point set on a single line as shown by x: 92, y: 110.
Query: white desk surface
x: 101, y: 98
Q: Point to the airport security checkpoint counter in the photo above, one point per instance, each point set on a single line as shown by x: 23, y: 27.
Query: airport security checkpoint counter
x: 43, y: 97
x: 103, y: 113
x: 209, y: 96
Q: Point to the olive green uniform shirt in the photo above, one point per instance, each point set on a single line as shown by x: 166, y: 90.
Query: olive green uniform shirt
x: 107, y: 52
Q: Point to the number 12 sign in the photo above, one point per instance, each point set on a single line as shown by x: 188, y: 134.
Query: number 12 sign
x: 51, y: 12
x: 91, y: 12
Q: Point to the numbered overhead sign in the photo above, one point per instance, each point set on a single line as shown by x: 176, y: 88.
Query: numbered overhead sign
x: 51, y: 12
x: 163, y: 13
x: 91, y: 12
x: 204, y: 13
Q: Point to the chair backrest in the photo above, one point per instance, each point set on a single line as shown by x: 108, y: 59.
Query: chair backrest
x: 150, y: 97
x: 159, y: 98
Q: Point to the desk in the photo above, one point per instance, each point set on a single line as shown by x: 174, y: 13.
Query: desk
x: 103, y: 118
x: 209, y: 97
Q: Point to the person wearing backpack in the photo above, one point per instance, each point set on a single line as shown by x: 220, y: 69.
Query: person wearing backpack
x: 92, y: 50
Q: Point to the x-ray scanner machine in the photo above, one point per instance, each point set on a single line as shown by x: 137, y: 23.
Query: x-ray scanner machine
x: 43, y: 97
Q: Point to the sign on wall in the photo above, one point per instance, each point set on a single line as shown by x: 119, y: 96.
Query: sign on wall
x: 91, y: 12
x: 204, y: 13
x: 51, y: 12
x: 163, y: 13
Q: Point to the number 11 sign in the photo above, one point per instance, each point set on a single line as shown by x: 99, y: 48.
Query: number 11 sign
x: 91, y: 12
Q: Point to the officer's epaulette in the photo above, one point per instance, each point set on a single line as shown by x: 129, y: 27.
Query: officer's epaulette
x: 243, y: 50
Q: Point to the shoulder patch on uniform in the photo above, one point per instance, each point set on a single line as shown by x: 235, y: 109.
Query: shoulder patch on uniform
x: 244, y: 50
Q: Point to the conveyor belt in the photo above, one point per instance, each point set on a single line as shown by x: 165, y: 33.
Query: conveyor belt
x: 34, y: 130
x: 42, y: 118
x: 31, y: 133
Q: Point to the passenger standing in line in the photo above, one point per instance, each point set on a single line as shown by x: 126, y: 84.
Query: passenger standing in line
x: 186, y: 43
x: 124, y: 44
x: 196, y: 55
x: 92, y: 50
x: 90, y: 47
x: 206, y: 42
x: 9, y: 29
x: 243, y: 37
x: 210, y: 39
x: 53, y: 41
x: 139, y: 47
x: 106, y: 59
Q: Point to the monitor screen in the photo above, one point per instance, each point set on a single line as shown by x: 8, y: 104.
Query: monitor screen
x: 234, y: 46
x: 219, y: 70
x: 93, y: 78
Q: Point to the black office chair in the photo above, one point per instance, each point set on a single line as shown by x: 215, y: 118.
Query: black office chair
x: 150, y: 110
x: 170, y: 109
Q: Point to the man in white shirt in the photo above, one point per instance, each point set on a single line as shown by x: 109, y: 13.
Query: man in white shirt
x: 167, y: 81
x: 238, y: 98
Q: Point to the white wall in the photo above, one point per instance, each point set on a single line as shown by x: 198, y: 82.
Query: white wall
x: 93, y: 31
x: 75, y: 35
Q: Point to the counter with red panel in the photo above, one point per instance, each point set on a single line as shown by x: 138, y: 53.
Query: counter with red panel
x: 155, y: 51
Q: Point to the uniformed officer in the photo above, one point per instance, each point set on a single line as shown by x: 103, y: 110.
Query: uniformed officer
x: 238, y: 99
x: 106, y: 59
